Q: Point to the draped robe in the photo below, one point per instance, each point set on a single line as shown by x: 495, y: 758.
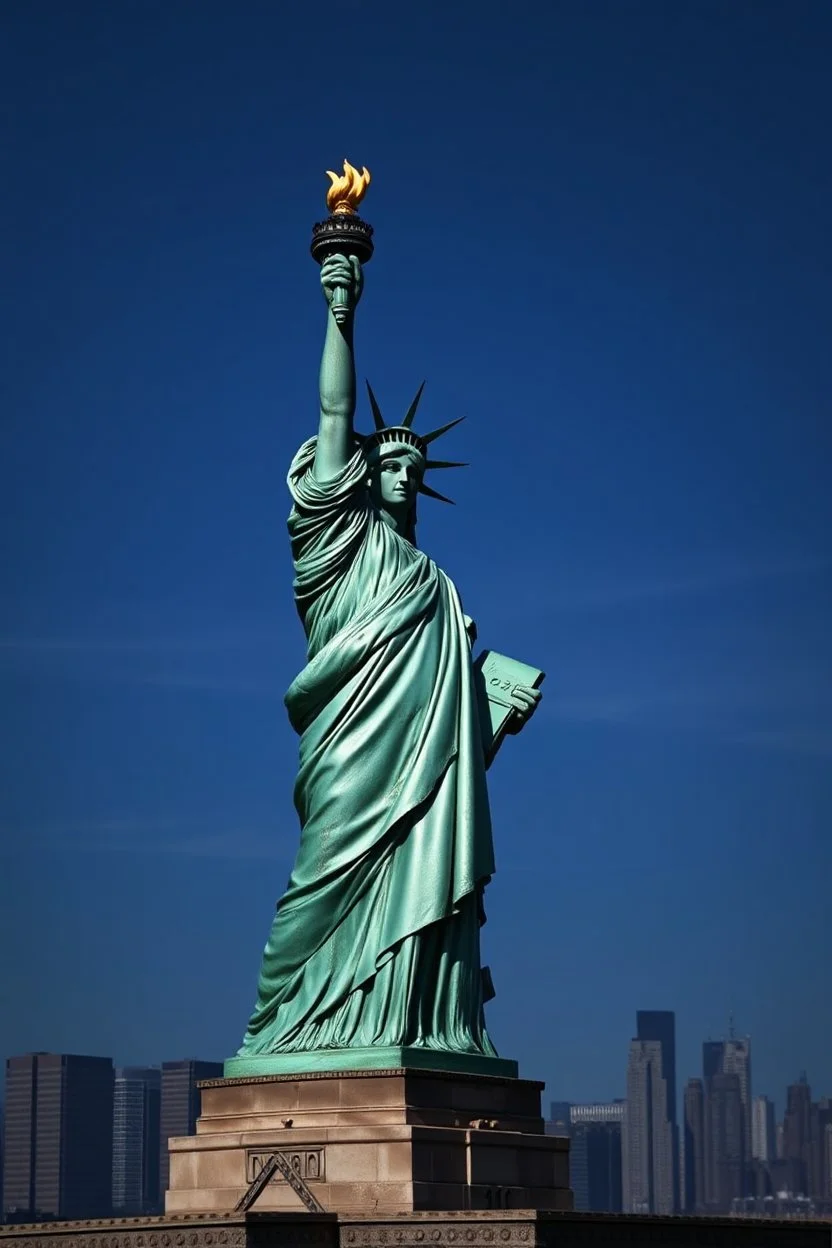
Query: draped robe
x: 376, y: 939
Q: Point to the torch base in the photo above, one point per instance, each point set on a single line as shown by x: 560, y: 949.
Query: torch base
x: 342, y: 233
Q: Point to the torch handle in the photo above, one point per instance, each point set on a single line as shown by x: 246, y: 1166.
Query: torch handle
x: 342, y: 236
x: 340, y: 306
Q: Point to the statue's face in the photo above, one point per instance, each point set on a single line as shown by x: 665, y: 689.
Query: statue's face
x: 395, y: 478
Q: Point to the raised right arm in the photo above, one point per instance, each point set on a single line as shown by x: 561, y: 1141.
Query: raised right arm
x: 337, y: 377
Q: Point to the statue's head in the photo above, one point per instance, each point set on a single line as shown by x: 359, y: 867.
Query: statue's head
x: 396, y: 473
x: 397, y: 460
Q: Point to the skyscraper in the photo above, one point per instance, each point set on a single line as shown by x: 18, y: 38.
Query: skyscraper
x: 660, y: 1025
x: 595, y: 1157
x: 180, y: 1105
x: 136, y: 1139
x: 59, y: 1136
x: 559, y: 1122
x: 826, y: 1151
x: 763, y: 1136
x: 727, y: 1145
x: 725, y: 1173
x: 779, y: 1141
x: 797, y: 1134
x: 712, y: 1051
x: 736, y: 1060
x: 694, y: 1149
x: 19, y: 1136
x: 647, y: 1139
x: 814, y: 1156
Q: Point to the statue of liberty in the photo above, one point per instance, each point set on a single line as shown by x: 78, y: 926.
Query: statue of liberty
x: 375, y: 944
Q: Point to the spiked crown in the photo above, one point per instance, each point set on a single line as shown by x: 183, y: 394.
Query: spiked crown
x: 403, y: 434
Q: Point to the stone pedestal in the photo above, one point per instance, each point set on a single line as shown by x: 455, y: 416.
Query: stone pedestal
x: 382, y: 1141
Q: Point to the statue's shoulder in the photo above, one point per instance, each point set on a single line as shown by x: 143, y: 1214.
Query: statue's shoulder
x: 322, y: 502
x: 302, y: 460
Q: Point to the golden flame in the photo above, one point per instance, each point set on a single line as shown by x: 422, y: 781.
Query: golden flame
x: 347, y: 189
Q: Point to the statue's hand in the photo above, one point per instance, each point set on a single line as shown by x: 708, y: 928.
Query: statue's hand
x: 525, y: 701
x: 342, y: 273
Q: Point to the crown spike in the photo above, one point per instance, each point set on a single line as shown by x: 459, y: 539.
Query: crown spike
x: 427, y: 438
x: 377, y: 416
x: 411, y: 411
x: 444, y: 463
x: 425, y: 489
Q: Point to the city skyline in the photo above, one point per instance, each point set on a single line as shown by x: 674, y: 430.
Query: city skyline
x: 646, y: 515
x: 607, y: 1092
x: 85, y: 1138
x: 730, y: 1153
x: 685, y: 1070
x: 733, y: 1151
x: 58, y: 1135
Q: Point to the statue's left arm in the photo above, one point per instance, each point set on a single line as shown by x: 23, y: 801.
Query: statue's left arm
x: 525, y: 700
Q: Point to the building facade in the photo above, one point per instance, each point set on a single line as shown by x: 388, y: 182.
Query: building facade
x: 19, y: 1136
x: 728, y: 1169
x: 736, y: 1060
x: 660, y: 1025
x: 136, y: 1141
x: 694, y: 1147
x: 807, y: 1142
x: 647, y: 1137
x: 826, y: 1154
x: 59, y: 1136
x: 179, y: 1107
x: 595, y: 1169
x: 797, y: 1135
x: 725, y: 1164
x: 559, y: 1122
x: 763, y: 1135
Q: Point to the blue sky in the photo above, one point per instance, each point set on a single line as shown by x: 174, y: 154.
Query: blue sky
x: 602, y: 234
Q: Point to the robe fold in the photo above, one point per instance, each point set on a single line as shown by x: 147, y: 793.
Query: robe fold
x: 376, y: 940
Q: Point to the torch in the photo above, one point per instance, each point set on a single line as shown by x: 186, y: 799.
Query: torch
x: 343, y: 232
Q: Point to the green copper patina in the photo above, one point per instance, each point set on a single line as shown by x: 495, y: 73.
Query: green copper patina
x: 374, y: 954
